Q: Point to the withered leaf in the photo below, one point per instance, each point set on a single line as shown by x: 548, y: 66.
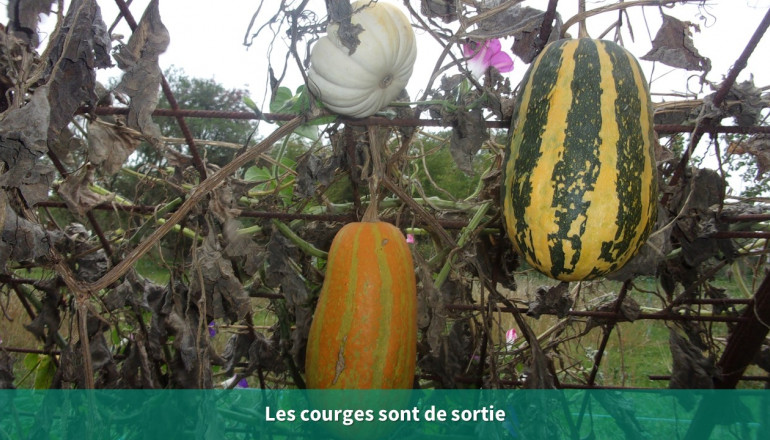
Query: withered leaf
x: 690, y: 369
x: 73, y: 56
x: 521, y: 22
x: 552, y: 300
x: 629, y: 310
x: 214, y: 276
x: 223, y: 202
x: 142, y: 75
x: 131, y: 291
x: 673, y: 46
x: 77, y: 194
x: 313, y: 171
x: 24, y: 131
x: 23, y: 240
x: 184, y: 338
x: 750, y: 103
x: 32, y: 181
x: 283, y: 270
x: 241, y: 248
x: 24, y: 16
x: 303, y: 317
x: 64, y: 145
x: 109, y: 146
x: 46, y: 323
x: 468, y: 134
x: 526, y: 44
x: 450, y: 358
x: 446, y: 10
x: 92, y: 265
x: 340, y: 12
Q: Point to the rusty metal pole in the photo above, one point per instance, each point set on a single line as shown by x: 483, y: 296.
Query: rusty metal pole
x: 746, y: 339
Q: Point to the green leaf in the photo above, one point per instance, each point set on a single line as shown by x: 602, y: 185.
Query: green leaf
x: 257, y: 174
x: 282, y: 100
x: 31, y: 361
x: 45, y: 373
x: 251, y: 104
x: 307, y: 132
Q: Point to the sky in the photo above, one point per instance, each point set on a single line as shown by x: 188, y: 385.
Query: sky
x: 207, y: 41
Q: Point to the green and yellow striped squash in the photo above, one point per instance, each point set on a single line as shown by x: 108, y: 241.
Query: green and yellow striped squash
x: 579, y: 179
x: 364, y: 329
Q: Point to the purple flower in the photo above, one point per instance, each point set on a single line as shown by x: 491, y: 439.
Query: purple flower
x: 241, y: 383
x: 410, y: 238
x: 482, y: 56
x: 212, y: 329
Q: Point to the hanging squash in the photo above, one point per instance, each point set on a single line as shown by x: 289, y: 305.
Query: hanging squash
x: 579, y: 188
x: 361, y: 83
x: 364, y: 330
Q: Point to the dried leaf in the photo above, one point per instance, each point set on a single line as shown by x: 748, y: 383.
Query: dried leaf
x: 109, y: 146
x: 24, y: 17
x: 468, y: 134
x: 696, y: 197
x: 223, y: 202
x: 23, y: 240
x: 83, y: 46
x: 452, y: 355
x: 214, y: 276
x: 283, y: 271
x: 554, y: 300
x: 526, y: 44
x: 340, y: 12
x: 673, y: 46
x: 33, y: 181
x: 241, y: 248
x: 64, y: 145
x: 750, y: 103
x: 446, y: 10
x: 142, y: 75
x: 521, y: 22
x: 46, y: 323
x: 24, y: 131
x: 691, y: 369
x: 76, y: 191
x: 629, y: 310
x: 133, y: 290
x: 314, y: 171
x: 184, y: 338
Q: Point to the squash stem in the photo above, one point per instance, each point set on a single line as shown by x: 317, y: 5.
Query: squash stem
x: 296, y: 239
x: 464, y: 236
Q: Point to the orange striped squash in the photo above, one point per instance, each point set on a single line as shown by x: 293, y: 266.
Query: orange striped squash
x: 364, y: 330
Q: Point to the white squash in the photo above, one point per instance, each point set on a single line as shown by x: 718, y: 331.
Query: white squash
x: 360, y: 84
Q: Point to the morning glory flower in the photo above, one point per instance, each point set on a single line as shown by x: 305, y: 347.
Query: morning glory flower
x: 482, y: 56
x: 212, y: 329
x: 410, y: 238
x: 241, y: 383
x: 510, y: 337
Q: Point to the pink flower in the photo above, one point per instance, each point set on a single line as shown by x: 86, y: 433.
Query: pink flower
x: 511, y: 336
x: 410, y: 238
x: 482, y: 56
